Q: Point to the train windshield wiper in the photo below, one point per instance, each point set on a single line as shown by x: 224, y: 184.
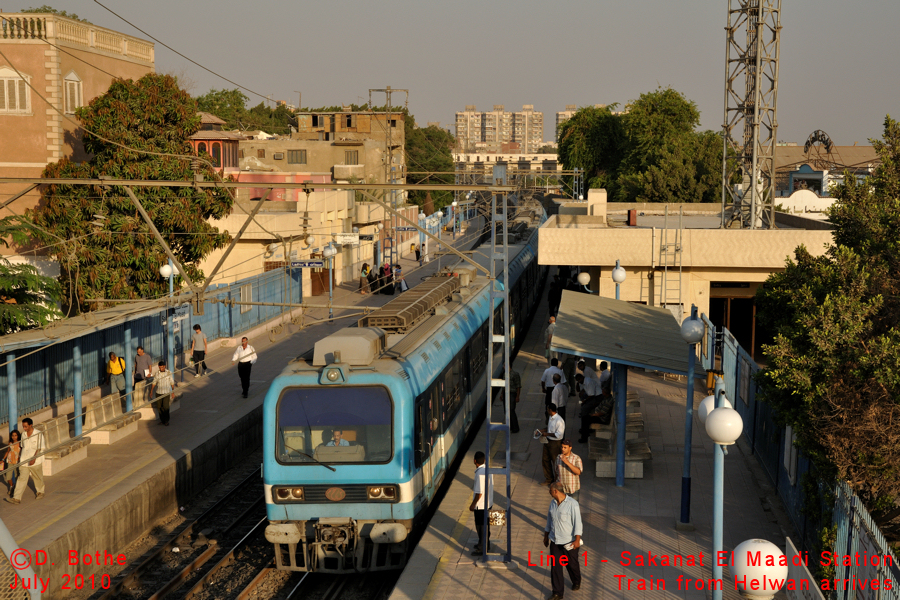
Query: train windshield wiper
x: 310, y: 458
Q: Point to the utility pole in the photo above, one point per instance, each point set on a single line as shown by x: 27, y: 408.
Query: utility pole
x: 389, y: 167
x: 299, y: 100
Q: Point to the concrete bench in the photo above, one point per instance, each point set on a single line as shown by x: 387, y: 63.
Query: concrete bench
x: 63, y: 450
x: 106, y: 414
x: 148, y: 413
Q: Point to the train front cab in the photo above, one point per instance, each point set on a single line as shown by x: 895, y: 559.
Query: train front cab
x: 356, y: 517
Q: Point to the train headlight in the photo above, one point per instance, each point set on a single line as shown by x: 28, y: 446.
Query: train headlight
x: 289, y: 494
x: 282, y: 493
x: 333, y: 374
x: 378, y: 492
x: 297, y: 493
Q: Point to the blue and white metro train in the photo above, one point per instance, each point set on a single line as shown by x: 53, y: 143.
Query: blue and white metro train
x: 359, y: 433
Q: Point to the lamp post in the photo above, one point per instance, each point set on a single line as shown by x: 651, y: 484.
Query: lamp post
x: 724, y: 426
x: 692, y: 330
x: 328, y: 252
x: 356, y: 231
x: 421, y: 238
x: 439, y: 223
x: 618, y: 275
x: 168, y: 270
x: 453, y: 205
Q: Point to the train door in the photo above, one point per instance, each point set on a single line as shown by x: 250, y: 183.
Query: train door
x: 424, y: 446
x: 439, y: 455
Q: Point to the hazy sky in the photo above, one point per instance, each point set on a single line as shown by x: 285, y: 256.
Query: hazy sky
x: 838, y: 73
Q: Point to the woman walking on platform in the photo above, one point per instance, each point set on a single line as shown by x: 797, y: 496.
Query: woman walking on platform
x: 13, y: 452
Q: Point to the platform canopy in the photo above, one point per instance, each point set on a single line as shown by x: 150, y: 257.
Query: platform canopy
x: 620, y: 332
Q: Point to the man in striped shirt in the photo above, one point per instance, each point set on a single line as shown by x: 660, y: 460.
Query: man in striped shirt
x: 163, y: 383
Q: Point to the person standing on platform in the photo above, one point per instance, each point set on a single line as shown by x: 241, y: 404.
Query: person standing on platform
x: 568, y: 470
x: 32, y: 445
x: 563, y: 535
x: 482, y: 500
x: 164, y: 384
x: 419, y: 254
x: 364, y: 279
x: 547, y: 380
x: 115, y: 374
x: 245, y: 357
x: 199, y: 347
x: 555, y: 431
x: 11, y: 457
x: 548, y: 338
x: 560, y: 395
x: 143, y: 370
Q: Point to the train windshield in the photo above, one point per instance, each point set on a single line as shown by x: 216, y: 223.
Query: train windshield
x: 334, y: 425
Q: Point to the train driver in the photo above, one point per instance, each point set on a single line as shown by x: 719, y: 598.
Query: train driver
x: 337, y: 439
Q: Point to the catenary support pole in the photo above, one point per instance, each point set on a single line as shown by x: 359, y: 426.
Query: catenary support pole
x: 77, y: 383
x: 685, y: 520
x: 129, y: 370
x: 621, y: 399
x: 718, y: 507
x: 12, y: 404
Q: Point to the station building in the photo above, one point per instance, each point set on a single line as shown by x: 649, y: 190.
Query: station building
x: 677, y: 259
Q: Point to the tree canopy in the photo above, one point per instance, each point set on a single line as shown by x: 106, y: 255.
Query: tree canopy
x: 834, y: 366
x: 649, y: 153
x: 27, y: 298
x: 231, y: 106
x: 429, y: 149
x: 104, y: 248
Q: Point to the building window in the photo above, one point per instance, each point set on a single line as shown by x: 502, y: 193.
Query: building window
x: 201, y: 147
x: 348, y: 121
x: 278, y: 156
x: 15, y: 97
x: 351, y: 157
x: 73, y: 92
x: 296, y: 157
x: 261, y: 153
x: 246, y: 296
x: 393, y: 122
x: 217, y: 154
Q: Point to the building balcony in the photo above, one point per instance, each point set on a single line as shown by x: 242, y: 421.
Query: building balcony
x: 74, y: 34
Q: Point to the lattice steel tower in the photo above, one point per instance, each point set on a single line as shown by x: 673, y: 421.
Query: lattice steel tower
x: 753, y: 39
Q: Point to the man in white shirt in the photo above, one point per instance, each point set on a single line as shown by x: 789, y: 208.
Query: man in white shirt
x: 481, y: 501
x: 560, y: 395
x: 588, y: 372
x: 556, y: 430
x: 32, y: 443
x: 605, y: 375
x: 547, y: 380
x: 245, y: 357
x: 548, y: 338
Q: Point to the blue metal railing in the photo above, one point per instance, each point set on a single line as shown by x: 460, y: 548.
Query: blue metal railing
x: 47, y: 376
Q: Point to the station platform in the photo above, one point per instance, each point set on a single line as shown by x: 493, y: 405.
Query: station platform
x: 119, y: 492
x: 638, y: 518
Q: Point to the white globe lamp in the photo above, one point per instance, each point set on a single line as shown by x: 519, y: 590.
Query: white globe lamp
x: 724, y: 425
x: 439, y: 214
x: 421, y: 216
x: 767, y: 580
x: 328, y: 251
x: 584, y: 278
x: 165, y: 271
x: 618, y: 274
x: 454, y: 204
x: 708, y: 404
x: 692, y: 330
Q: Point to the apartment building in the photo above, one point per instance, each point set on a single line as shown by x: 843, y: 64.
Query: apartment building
x: 477, y: 130
x: 69, y: 63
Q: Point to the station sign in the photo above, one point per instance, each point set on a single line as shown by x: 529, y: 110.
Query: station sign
x: 366, y: 238
x: 308, y: 264
x: 406, y: 228
x: 346, y: 239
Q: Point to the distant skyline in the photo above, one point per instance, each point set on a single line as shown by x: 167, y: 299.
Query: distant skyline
x: 837, y: 69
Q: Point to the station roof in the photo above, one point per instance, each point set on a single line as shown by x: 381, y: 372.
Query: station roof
x: 80, y: 325
x: 620, y: 332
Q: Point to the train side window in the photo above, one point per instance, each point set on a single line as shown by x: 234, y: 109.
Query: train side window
x: 467, y: 370
x: 423, y: 440
x: 452, y: 395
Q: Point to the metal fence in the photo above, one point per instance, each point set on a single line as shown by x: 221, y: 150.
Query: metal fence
x: 47, y: 376
x: 857, y: 532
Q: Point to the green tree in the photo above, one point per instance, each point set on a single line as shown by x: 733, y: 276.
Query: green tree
x: 46, y: 9
x: 429, y: 149
x: 665, y: 160
x: 231, y: 107
x: 593, y: 140
x: 650, y: 153
x: 27, y: 298
x: 834, y: 366
x: 116, y: 257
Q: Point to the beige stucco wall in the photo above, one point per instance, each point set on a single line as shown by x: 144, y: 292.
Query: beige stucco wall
x: 721, y: 255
